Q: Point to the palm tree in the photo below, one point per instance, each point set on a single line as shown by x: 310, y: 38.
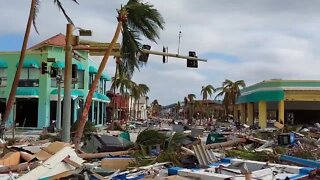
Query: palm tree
x: 134, y: 19
x: 231, y: 91
x: 35, y: 5
x: 185, y: 101
x: 191, y: 98
x: 206, y: 91
x: 120, y: 81
x: 154, y: 107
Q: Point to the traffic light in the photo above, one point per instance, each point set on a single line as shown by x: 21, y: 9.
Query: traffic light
x: 53, y: 72
x: 144, y: 56
x: 164, y: 58
x: 44, y: 67
x: 190, y: 62
x: 74, y: 71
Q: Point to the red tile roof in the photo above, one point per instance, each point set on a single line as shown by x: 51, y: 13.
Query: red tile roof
x: 57, y: 40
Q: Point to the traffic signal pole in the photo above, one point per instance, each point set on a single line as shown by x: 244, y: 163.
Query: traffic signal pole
x: 172, y: 55
x: 66, y: 124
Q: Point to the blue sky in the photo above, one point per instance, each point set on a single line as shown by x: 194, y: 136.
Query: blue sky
x: 10, y: 42
x: 249, y: 40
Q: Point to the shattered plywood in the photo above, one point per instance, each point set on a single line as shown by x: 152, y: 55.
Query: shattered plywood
x: 46, y: 152
x: 55, y: 165
x: 10, y: 159
x: 116, y: 163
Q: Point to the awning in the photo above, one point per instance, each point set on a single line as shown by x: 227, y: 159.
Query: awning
x: 74, y: 94
x: 3, y: 64
x: 58, y: 64
x: 105, y: 77
x: 274, y: 95
x: 79, y: 66
x: 30, y: 64
x: 100, y: 97
x: 93, y: 70
x: 27, y: 93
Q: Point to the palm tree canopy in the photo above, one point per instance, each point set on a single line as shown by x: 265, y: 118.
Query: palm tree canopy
x: 230, y: 91
x: 207, y: 91
x: 191, y: 97
x: 59, y: 5
x: 122, y: 81
x: 141, y: 19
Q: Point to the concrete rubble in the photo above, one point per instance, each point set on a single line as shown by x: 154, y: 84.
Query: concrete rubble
x: 161, y: 153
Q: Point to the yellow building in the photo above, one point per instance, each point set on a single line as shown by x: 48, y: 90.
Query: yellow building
x: 284, y: 101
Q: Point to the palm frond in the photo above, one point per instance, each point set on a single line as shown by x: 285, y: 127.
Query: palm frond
x: 145, y: 19
x: 130, y: 46
x: 60, y: 6
x: 34, y: 16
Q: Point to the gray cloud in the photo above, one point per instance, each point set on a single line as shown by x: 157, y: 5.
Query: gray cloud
x: 269, y: 38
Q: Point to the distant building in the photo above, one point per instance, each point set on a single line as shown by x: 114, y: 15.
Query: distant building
x: 285, y: 101
x: 121, y: 104
x: 138, y: 108
x: 36, y: 96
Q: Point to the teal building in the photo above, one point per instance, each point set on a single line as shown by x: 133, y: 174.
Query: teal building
x: 36, y: 97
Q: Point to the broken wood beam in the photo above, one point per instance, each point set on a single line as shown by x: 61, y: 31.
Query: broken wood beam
x: 226, y: 144
x: 19, y: 167
x: 103, y: 154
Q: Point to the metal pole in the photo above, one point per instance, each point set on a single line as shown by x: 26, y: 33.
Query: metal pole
x: 59, y: 81
x: 67, y: 86
x: 171, y: 55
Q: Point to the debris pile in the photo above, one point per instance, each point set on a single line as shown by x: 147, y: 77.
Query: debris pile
x: 223, y: 153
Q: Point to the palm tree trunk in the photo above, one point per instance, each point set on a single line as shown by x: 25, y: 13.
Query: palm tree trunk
x: 84, y: 114
x: 20, y: 66
x: 114, y: 108
x: 139, y: 114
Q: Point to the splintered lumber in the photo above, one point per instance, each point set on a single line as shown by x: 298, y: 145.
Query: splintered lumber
x: 54, y: 165
x: 103, y: 154
x: 226, y: 144
x: 11, y: 158
x: 19, y: 167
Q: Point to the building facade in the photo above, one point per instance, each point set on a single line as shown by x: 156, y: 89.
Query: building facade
x: 282, y: 101
x: 37, y: 94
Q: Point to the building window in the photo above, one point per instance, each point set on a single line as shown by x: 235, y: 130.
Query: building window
x: 29, y: 77
x: 80, y: 79
x: 3, y: 77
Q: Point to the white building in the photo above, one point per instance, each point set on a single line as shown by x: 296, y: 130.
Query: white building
x: 138, y: 108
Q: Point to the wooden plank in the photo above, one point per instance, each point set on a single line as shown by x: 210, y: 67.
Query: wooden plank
x: 54, y: 165
x: 103, y: 155
x: 19, y: 167
x: 11, y: 158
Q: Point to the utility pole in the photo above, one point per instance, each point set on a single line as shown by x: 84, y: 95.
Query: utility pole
x: 67, y: 86
x: 59, y: 81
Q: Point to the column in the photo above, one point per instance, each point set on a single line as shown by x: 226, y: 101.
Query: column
x: 242, y: 113
x: 98, y: 113
x: 281, y: 112
x: 92, y: 111
x: 250, y: 121
x: 262, y: 114
x: 235, y: 113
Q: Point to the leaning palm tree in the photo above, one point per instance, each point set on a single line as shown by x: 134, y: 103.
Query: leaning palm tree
x: 35, y: 5
x: 134, y: 18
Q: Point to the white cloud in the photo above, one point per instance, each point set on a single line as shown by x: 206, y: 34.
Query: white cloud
x: 269, y: 38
